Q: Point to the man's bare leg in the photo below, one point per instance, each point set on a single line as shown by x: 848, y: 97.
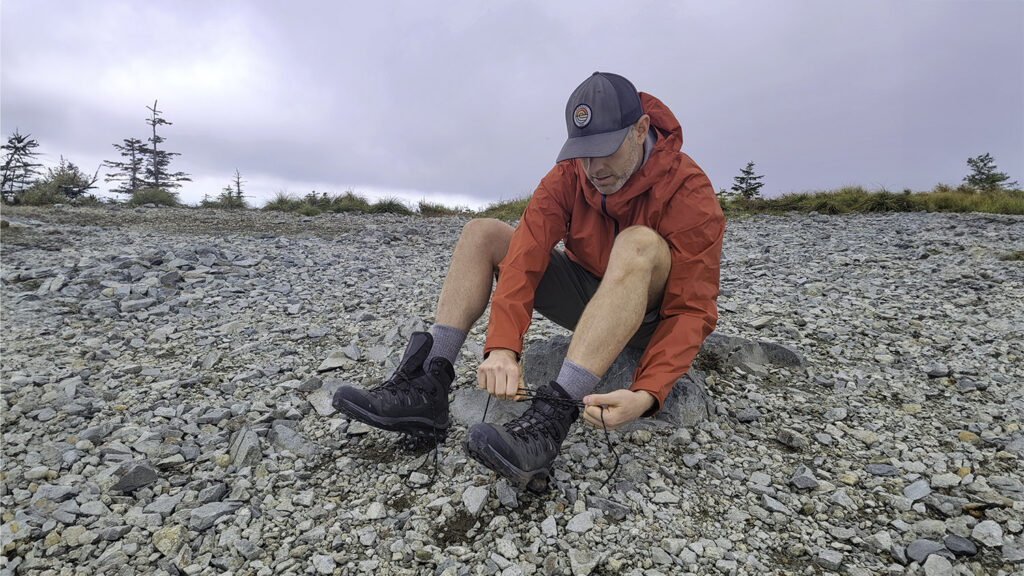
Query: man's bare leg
x: 467, y: 287
x: 637, y: 271
x: 634, y: 282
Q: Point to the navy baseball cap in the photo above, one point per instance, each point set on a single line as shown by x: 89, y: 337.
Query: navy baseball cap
x: 598, y: 116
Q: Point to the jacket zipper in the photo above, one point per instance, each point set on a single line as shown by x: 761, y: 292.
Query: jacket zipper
x: 604, y: 208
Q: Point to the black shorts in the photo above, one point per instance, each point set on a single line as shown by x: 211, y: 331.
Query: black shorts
x: 566, y: 288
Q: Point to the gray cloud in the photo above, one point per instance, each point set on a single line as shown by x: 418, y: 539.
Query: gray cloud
x: 466, y: 99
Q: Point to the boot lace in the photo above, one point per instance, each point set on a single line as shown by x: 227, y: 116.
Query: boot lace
x: 527, y: 423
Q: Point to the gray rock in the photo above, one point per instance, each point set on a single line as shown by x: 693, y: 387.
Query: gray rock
x: 288, y: 439
x: 474, y: 498
x: 549, y: 527
x: 206, y: 515
x: 164, y: 505
x: 1013, y: 552
x: 887, y: 470
x: 959, y: 545
x: 245, y: 448
x: 936, y: 565
x: 613, y: 509
x: 582, y: 562
x: 829, y: 559
x: 748, y: 414
x: 917, y: 490
x: 52, y: 493
x: 792, y: 439
x: 135, y: 475
x: 214, y: 416
x: 506, y: 494
x: 936, y: 370
x: 581, y: 523
x: 921, y: 548
x: 323, y: 563
x: 213, y: 493
x: 804, y: 479
x: 989, y: 533
x: 774, y: 505
x: 321, y: 400
x: 129, y: 306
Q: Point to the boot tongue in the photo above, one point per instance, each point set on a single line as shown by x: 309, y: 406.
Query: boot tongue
x: 417, y: 351
x: 556, y: 402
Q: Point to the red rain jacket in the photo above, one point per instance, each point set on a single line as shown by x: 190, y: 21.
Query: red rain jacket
x: 671, y: 195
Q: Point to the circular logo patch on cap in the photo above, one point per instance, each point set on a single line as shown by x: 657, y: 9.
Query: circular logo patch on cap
x: 581, y: 116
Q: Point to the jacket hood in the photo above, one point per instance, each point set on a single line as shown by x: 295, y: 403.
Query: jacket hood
x: 652, y: 175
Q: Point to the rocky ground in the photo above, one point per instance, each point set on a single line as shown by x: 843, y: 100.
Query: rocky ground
x: 163, y: 412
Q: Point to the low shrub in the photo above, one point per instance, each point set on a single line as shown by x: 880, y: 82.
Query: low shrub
x: 158, y: 196
x: 40, y: 195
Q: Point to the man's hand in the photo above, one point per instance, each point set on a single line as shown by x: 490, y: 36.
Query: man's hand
x: 499, y: 375
x: 620, y: 407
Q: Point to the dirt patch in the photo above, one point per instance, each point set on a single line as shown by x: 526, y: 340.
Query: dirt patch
x: 454, y: 531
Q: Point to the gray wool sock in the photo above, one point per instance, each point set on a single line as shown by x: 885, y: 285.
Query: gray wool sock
x: 576, y: 380
x: 447, y: 343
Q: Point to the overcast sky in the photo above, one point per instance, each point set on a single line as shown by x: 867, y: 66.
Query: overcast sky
x: 463, y: 102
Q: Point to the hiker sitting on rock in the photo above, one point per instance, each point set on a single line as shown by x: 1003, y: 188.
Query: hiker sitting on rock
x: 643, y: 239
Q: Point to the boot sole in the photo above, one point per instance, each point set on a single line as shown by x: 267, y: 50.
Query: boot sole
x: 533, y: 480
x: 418, y: 427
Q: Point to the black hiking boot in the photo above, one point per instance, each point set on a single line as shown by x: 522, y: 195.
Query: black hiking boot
x: 523, y: 449
x: 413, y: 401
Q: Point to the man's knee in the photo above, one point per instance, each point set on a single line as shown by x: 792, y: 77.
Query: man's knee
x: 487, y: 234
x: 639, y: 246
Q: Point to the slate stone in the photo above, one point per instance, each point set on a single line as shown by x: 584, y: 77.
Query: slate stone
x: 829, y: 559
x: 613, y: 509
x: 474, y: 498
x: 245, y: 448
x: 53, y: 493
x: 989, y: 533
x: 917, y: 490
x: 936, y: 565
x: 135, y: 475
x: 206, y: 515
x: 887, y: 470
x: 792, y: 439
x: 804, y: 479
x: 506, y: 494
x: 921, y: 548
x: 748, y: 414
x: 959, y: 545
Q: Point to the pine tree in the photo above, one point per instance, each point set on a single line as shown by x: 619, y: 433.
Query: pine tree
x: 19, y: 168
x: 156, y: 174
x: 231, y: 196
x: 129, y: 173
x: 746, y: 184
x: 984, y: 176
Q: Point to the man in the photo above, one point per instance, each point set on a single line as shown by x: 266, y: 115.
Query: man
x: 643, y: 238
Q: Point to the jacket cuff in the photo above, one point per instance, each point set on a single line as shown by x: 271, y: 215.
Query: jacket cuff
x: 497, y: 343
x: 659, y: 399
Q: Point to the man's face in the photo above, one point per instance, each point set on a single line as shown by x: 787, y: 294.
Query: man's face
x: 610, y: 173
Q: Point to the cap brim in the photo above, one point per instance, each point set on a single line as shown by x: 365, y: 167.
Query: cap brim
x: 593, y: 146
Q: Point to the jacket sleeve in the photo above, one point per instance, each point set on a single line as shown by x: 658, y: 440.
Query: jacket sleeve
x: 543, y: 224
x: 693, y: 227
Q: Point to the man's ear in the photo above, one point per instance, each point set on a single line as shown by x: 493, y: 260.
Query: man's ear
x: 643, y: 125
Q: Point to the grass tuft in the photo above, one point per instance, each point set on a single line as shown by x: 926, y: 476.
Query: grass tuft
x: 506, y: 210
